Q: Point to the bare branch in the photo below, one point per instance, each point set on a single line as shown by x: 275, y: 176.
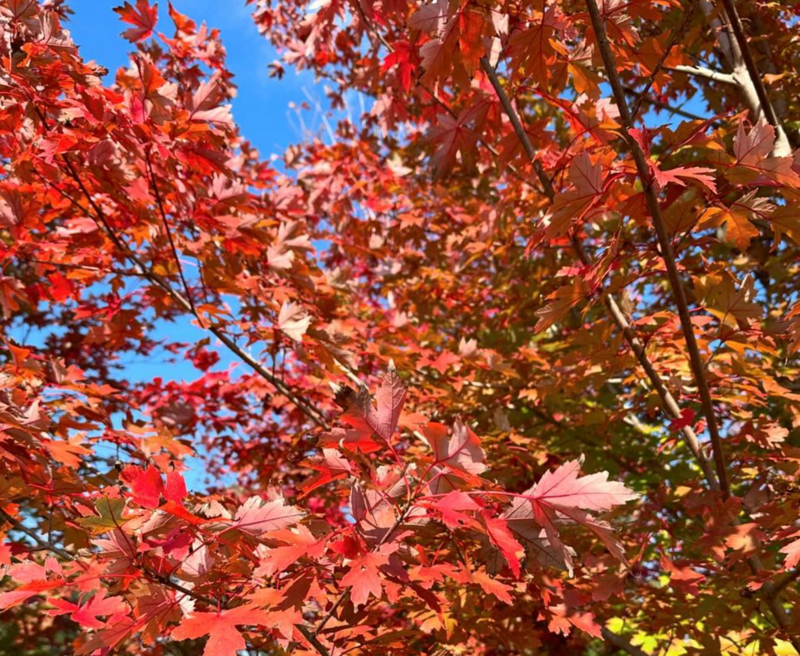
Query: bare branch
x: 709, y: 74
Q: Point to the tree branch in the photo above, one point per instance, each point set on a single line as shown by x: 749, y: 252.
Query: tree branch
x: 44, y: 544
x: 651, y: 197
x: 674, y: 38
x: 707, y: 73
x: 620, y: 643
x: 99, y: 216
x: 677, y: 111
x: 788, y: 578
x: 750, y: 65
x: 609, y: 60
x: 344, y: 595
x: 736, y: 53
x: 171, y: 241
x: 668, y: 401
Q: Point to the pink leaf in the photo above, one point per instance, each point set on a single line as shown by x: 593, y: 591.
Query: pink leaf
x: 792, y: 551
x: 293, y: 320
x: 256, y: 517
x: 390, y: 398
x: 460, y: 451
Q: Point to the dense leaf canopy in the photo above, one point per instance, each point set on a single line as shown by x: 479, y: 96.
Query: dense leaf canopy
x: 503, y: 361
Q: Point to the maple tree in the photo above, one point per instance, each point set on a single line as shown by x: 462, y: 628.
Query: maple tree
x: 513, y: 351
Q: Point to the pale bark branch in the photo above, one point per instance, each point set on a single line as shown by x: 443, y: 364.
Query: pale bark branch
x: 755, y: 76
x: 700, y: 71
x: 738, y: 57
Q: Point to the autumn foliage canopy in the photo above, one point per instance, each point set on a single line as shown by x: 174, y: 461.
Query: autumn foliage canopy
x: 502, y: 361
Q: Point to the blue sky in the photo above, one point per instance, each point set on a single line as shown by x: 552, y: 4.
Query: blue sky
x: 262, y: 106
x: 262, y: 109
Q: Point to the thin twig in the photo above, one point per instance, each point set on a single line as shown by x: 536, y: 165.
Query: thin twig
x: 79, y: 267
x: 677, y: 111
x: 172, y: 246
x: 44, y: 544
x: 674, y: 38
x: 99, y: 217
x: 343, y: 597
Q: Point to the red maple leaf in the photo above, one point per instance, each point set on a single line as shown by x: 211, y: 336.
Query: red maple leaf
x: 87, y: 614
x: 224, y: 639
x: 142, y: 16
x: 147, y: 488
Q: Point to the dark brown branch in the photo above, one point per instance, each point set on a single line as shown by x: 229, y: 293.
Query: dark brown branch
x: 44, y: 544
x: 651, y: 198
x: 99, y: 217
x: 668, y: 402
x: 620, y: 643
x: 787, y: 579
x: 79, y: 267
x: 530, y: 151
